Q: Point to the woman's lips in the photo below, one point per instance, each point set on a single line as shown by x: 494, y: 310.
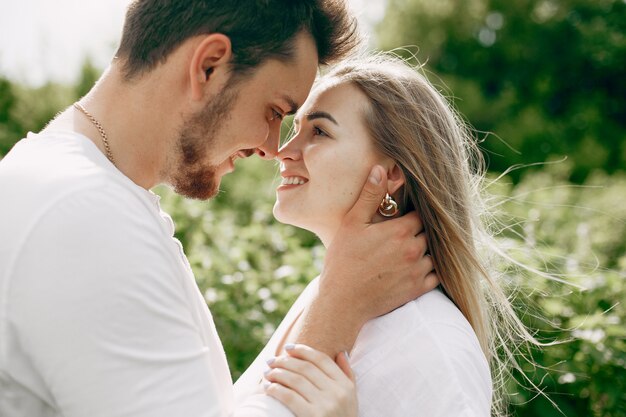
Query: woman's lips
x: 293, y: 180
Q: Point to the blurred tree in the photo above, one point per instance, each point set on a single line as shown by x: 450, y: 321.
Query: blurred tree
x: 25, y: 109
x: 9, y: 129
x: 546, y: 77
x: 89, y: 74
x: 34, y: 108
x: 575, y: 233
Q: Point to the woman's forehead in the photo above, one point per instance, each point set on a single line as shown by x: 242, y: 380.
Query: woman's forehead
x: 335, y: 94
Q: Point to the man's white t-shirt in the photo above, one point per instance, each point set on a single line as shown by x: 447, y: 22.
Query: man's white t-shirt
x: 422, y: 359
x: 100, y: 314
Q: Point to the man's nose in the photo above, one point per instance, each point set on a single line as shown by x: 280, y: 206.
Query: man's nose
x: 269, y: 149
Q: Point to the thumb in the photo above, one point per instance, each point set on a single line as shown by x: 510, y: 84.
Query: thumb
x: 343, y: 362
x: 371, y: 195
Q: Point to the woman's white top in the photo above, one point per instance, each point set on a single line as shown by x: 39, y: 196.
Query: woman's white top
x: 422, y: 359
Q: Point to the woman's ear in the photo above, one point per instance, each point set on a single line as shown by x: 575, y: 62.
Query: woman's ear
x: 395, y: 178
x: 209, y: 63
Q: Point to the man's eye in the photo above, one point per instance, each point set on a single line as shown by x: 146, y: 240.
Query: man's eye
x: 277, y: 115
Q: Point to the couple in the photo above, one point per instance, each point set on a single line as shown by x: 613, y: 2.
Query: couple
x: 99, y: 312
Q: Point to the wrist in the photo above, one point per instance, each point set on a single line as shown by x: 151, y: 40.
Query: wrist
x: 329, y: 326
x: 342, y: 302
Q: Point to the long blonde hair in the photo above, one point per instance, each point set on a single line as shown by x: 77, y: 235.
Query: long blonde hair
x: 413, y: 124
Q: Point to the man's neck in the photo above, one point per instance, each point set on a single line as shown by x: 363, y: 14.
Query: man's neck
x: 138, y: 131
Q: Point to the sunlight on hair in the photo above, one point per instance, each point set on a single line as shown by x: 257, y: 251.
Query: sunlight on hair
x: 415, y: 124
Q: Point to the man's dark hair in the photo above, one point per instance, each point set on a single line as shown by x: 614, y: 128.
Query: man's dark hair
x: 258, y: 30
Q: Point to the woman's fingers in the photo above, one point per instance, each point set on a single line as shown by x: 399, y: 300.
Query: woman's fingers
x: 301, y: 367
x: 317, y: 358
x: 311, y: 384
x: 291, y: 399
x: 300, y: 383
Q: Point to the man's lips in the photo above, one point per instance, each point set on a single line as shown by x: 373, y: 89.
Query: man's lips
x: 241, y: 154
x: 245, y: 153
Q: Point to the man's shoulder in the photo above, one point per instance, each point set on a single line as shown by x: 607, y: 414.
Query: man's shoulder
x: 56, y: 183
x: 47, y: 164
x: 49, y: 170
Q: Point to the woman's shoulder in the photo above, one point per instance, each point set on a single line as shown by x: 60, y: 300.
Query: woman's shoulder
x: 427, y: 351
x: 432, y: 318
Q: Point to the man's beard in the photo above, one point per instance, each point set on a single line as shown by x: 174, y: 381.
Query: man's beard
x: 193, y: 176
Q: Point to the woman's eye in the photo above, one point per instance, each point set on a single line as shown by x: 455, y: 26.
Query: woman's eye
x: 318, y: 132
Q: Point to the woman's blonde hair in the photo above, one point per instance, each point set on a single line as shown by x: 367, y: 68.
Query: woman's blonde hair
x: 413, y: 124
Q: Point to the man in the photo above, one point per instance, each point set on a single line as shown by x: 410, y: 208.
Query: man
x: 99, y: 312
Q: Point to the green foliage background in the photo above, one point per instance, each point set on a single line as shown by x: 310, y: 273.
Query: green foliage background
x: 545, y: 78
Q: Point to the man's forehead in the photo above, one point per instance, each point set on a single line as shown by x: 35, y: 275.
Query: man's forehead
x: 304, y: 68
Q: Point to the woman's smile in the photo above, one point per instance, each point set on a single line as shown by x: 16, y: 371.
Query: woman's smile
x: 293, y: 181
x: 327, y: 161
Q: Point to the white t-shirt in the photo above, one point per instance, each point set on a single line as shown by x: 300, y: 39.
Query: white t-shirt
x: 422, y: 359
x: 99, y: 311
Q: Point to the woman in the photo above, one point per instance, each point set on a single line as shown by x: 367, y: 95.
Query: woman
x: 435, y: 355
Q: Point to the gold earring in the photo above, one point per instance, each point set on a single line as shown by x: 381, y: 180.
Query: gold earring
x: 388, y: 207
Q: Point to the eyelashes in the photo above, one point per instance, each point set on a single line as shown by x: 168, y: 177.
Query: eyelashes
x: 318, y: 132
x: 312, y: 132
x: 277, y: 115
x: 315, y: 131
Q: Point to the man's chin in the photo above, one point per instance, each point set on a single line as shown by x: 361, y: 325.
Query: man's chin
x: 201, y: 195
x: 197, y: 194
x: 199, y: 190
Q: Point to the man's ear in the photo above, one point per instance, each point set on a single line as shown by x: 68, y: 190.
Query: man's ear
x: 209, y: 63
x: 395, y: 178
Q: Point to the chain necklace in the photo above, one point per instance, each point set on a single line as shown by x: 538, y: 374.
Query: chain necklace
x: 105, y: 140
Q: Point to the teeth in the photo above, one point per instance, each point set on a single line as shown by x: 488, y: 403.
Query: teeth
x: 292, y: 181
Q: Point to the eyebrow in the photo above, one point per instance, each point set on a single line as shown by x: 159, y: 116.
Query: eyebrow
x: 321, y: 115
x: 293, y: 106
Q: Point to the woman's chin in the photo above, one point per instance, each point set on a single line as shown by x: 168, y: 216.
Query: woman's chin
x: 291, y: 218
x: 282, y: 215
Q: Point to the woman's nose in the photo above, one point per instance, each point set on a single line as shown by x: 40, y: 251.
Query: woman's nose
x: 289, y: 150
